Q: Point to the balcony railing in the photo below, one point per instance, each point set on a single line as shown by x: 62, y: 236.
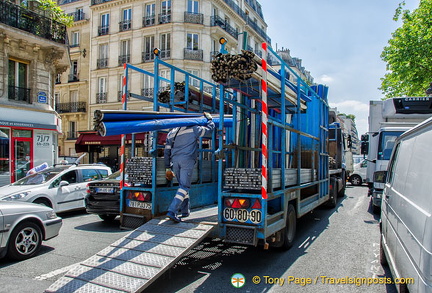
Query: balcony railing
x: 101, y: 98
x: 197, y: 18
x: 213, y: 54
x: 29, y: 21
x: 71, y: 107
x: 77, y: 15
x: 218, y: 21
x: 95, y: 2
x: 190, y: 54
x: 149, y: 20
x: 103, y: 30
x: 73, y: 77
x: 119, y: 96
x: 72, y: 135
x: 19, y: 94
x: 147, y: 57
x: 147, y: 92
x: 165, y: 54
x: 125, y: 25
x: 122, y: 59
x: 102, y: 63
x: 164, y: 18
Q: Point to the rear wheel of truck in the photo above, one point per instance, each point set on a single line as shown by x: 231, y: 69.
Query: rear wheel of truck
x: 108, y: 218
x: 290, y: 229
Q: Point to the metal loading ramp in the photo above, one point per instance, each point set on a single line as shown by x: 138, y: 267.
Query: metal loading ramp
x: 133, y: 262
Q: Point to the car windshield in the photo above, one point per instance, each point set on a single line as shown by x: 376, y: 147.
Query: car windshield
x: 386, y: 144
x: 40, y: 177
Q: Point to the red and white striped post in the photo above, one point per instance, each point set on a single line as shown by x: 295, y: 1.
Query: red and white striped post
x: 264, y: 120
x: 123, y: 136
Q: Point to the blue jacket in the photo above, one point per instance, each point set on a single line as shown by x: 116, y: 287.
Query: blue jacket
x: 182, y: 142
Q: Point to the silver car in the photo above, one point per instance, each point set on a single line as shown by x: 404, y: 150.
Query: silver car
x: 23, y: 226
x: 61, y: 187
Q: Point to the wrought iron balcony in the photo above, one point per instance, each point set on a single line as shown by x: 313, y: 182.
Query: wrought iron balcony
x: 125, y: 25
x: 165, y: 54
x: 19, y: 94
x: 197, y: 18
x: 73, y: 77
x: 71, y: 107
x: 218, y: 21
x: 147, y: 57
x: 119, y: 96
x: 101, y: 98
x: 29, y: 21
x: 149, y: 20
x: 103, y: 30
x: 164, y: 18
x: 190, y: 54
x: 147, y: 92
x: 122, y: 59
x: 96, y: 2
x: 102, y: 63
x: 72, y: 135
x: 77, y: 15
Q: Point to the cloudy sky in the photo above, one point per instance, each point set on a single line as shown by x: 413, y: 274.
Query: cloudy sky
x: 339, y: 42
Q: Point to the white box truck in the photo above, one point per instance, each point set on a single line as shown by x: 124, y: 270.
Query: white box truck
x: 388, y: 119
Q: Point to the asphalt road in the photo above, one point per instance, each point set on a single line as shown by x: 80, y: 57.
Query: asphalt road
x: 332, y: 245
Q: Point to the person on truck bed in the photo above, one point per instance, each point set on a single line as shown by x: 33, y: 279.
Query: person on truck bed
x: 180, y: 155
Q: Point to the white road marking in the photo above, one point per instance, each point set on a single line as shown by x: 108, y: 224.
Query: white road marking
x: 55, y: 272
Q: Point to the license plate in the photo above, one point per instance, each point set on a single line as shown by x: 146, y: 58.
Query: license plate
x: 104, y: 190
x: 140, y: 205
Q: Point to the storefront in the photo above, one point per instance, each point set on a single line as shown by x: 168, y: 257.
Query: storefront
x: 25, y: 144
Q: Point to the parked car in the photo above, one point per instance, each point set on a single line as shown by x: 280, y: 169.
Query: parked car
x: 103, y: 197
x: 24, y: 226
x: 406, y: 209
x: 61, y: 187
x: 358, y: 176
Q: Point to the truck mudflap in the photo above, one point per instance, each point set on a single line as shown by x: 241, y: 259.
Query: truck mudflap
x: 241, y: 234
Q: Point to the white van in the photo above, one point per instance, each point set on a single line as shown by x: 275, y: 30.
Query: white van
x: 358, y: 176
x: 406, y: 210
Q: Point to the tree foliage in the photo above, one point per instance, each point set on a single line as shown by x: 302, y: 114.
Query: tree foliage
x: 409, y: 53
x: 55, y: 11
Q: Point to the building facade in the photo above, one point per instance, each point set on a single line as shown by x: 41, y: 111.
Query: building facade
x: 186, y: 32
x: 32, y: 51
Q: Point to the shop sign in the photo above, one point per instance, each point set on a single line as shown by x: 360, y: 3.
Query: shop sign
x: 42, y: 97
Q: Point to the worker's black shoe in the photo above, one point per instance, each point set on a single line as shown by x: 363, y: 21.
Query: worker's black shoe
x: 173, y: 217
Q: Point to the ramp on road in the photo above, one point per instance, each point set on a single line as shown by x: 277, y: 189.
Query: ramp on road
x: 133, y: 262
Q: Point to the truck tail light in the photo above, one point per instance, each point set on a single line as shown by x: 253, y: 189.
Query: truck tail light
x: 237, y: 203
x: 257, y: 204
x: 139, y: 195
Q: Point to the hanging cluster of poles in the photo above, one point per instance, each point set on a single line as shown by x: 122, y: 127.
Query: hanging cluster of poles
x: 114, y: 122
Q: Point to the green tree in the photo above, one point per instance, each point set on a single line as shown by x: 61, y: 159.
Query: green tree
x: 409, y: 53
x: 55, y: 11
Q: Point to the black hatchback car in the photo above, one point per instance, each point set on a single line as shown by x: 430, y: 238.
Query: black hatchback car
x: 103, y: 197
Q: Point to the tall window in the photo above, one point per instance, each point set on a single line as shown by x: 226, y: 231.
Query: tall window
x: 148, y: 48
x: 102, y: 61
x: 165, y: 12
x: 193, y: 81
x: 124, y: 52
x: 104, y: 27
x: 192, y: 41
x: 165, y: 45
x: 101, y: 96
x: 75, y: 39
x: 73, y: 76
x: 74, y: 101
x: 18, y: 81
x: 193, y: 6
x: 125, y: 24
x: 149, y: 18
x: 72, y: 130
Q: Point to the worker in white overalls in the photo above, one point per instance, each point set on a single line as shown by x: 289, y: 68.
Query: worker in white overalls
x: 180, y: 155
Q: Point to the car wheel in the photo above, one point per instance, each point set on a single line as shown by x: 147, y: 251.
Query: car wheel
x: 25, y: 241
x: 108, y: 218
x: 355, y: 180
x: 43, y: 202
x: 290, y: 229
